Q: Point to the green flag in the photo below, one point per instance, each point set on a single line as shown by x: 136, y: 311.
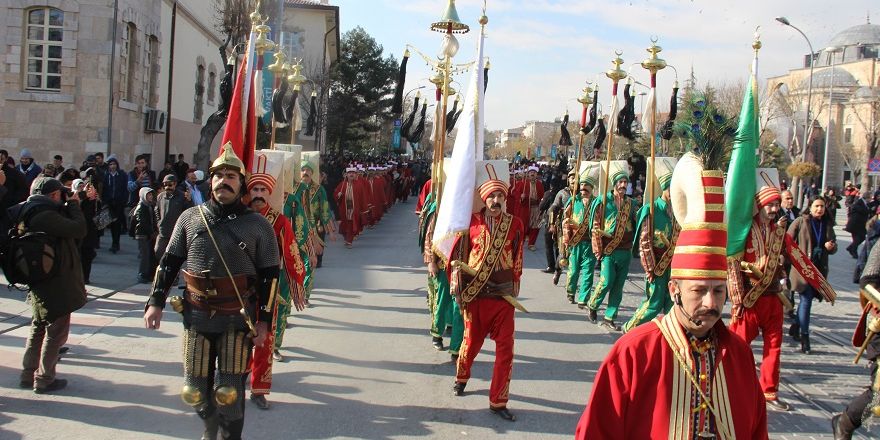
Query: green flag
x: 739, y: 192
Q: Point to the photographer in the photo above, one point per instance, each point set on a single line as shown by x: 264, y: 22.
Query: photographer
x: 51, y: 209
x: 88, y: 197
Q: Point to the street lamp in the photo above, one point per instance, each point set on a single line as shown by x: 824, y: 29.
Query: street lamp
x: 831, y: 50
x: 785, y: 21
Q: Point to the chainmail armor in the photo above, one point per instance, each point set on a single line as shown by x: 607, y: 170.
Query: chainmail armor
x: 249, y: 231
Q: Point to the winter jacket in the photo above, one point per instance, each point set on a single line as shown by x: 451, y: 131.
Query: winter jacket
x: 115, y: 188
x: 65, y: 292
x: 802, y: 232
x: 168, y: 210
x: 144, y: 217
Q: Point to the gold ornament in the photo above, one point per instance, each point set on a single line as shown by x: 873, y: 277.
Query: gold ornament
x: 227, y: 159
x: 191, y: 396
x: 225, y: 395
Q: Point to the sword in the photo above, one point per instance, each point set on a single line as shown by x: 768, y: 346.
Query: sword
x: 472, y: 272
x: 786, y: 304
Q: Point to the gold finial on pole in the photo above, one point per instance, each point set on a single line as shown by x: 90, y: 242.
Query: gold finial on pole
x: 616, y: 74
x: 756, y: 45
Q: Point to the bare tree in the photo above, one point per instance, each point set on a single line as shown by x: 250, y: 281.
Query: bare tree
x: 870, y: 123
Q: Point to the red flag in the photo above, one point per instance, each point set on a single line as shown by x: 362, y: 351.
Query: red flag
x: 241, y: 123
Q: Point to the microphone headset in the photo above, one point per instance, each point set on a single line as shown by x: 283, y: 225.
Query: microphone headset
x: 696, y: 322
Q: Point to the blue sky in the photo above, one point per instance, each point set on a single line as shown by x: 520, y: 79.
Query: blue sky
x: 542, y: 52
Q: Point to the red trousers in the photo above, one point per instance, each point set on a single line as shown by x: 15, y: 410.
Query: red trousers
x: 494, y: 318
x: 261, y: 362
x: 532, y: 234
x: 766, y: 316
x: 347, y: 229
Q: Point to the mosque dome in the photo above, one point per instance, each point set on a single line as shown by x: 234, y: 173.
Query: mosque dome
x: 864, y: 34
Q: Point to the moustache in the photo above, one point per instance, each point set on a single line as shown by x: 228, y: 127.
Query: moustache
x: 707, y: 313
x: 255, y: 199
x: 495, y: 206
x: 223, y: 186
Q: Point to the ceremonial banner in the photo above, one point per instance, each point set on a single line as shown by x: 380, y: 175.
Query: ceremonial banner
x: 241, y: 125
x: 739, y: 194
x: 453, y: 215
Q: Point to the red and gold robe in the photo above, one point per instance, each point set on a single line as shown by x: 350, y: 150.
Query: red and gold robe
x: 350, y: 202
x: 295, y: 271
x: 484, y: 310
x: 641, y: 390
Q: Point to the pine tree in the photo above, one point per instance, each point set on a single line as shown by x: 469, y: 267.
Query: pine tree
x: 361, y: 91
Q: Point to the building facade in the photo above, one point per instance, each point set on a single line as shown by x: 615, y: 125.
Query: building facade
x: 844, y: 103
x: 86, y: 76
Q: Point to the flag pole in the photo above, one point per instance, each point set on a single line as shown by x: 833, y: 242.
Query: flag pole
x: 653, y: 64
x: 616, y: 74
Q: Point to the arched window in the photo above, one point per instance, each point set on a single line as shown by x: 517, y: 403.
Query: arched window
x: 200, y: 94
x: 44, y: 36
x: 152, y: 70
x: 212, y: 83
x: 128, y: 62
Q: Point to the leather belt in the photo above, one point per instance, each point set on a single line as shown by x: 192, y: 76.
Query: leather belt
x: 216, y: 294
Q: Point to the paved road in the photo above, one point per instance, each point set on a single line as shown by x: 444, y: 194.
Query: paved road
x: 360, y: 364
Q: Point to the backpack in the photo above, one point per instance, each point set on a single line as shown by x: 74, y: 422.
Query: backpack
x: 29, y: 256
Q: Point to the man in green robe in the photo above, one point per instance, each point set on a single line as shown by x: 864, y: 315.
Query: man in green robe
x: 297, y: 208
x: 576, y: 236
x: 655, y: 249
x: 444, y: 309
x: 319, y: 206
x: 612, y: 238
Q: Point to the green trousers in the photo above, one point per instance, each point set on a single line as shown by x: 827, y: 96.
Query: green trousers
x: 445, y: 312
x: 615, y: 268
x: 658, y: 301
x: 581, y: 265
x: 282, y: 311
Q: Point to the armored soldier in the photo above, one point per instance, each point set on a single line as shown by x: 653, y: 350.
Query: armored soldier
x: 229, y: 257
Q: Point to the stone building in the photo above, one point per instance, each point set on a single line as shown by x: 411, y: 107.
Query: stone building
x: 854, y: 90
x: 61, y: 94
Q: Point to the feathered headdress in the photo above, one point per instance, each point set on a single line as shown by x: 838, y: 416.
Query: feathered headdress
x: 709, y: 133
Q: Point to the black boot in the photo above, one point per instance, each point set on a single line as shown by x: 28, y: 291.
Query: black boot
x: 805, y: 344
x: 795, y: 331
x: 437, y: 342
x: 231, y: 430
x: 592, y: 315
x: 212, y: 423
x: 556, y: 277
x: 842, y: 427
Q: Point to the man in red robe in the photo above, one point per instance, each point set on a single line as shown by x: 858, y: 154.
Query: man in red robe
x: 423, y: 194
x: 485, y: 281
x: 756, y: 304
x: 260, y: 187
x: 350, y: 202
x: 685, y: 375
x: 530, y: 195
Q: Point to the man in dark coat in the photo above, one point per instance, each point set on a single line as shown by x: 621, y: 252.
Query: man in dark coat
x: 115, y: 196
x: 16, y: 188
x: 170, y: 203
x: 49, y: 210
x: 857, y: 218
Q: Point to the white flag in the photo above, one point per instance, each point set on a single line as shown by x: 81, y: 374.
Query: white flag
x: 454, y: 211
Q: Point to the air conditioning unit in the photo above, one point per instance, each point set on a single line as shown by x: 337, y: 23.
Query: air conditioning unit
x: 156, y: 121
